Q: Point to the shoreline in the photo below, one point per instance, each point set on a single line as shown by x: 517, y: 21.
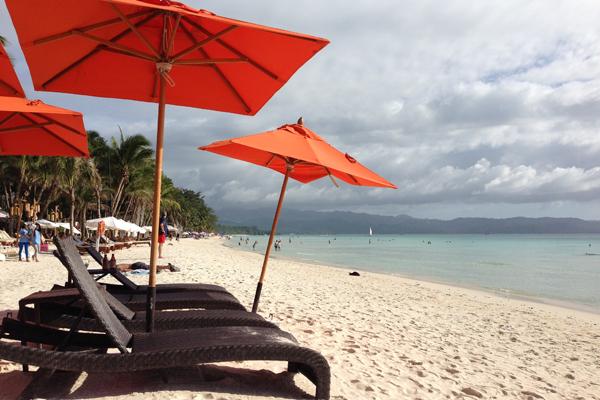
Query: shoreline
x: 543, y: 302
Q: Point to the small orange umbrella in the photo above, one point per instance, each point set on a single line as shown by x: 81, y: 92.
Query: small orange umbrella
x: 33, y: 128
x: 9, y: 82
x: 300, y: 154
x: 131, y: 49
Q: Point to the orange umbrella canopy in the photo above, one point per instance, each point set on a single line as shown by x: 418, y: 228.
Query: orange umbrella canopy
x: 34, y: 128
x: 9, y: 82
x: 298, y: 153
x: 116, y: 49
x: 312, y: 158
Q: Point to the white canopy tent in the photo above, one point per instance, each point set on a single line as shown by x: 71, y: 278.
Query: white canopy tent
x: 67, y: 226
x: 109, y: 223
x: 44, y: 223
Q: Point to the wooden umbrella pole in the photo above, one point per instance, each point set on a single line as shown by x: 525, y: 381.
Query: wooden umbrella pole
x: 273, y: 229
x: 160, y: 132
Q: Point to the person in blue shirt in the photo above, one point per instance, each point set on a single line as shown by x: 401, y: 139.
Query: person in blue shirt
x: 24, y: 236
x: 36, y: 241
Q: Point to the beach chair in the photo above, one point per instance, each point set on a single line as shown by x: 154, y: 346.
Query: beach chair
x: 168, y: 300
x: 61, y: 309
x: 129, y: 287
x: 81, y: 245
x: 147, y: 351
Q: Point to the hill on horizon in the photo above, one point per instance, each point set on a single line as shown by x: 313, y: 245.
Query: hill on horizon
x: 346, y: 222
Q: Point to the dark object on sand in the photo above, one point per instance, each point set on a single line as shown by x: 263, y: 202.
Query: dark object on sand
x: 148, y: 351
x: 128, y: 286
x: 354, y: 273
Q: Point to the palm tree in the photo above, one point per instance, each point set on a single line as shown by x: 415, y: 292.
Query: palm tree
x: 130, y: 155
x: 70, y: 173
x: 98, y: 150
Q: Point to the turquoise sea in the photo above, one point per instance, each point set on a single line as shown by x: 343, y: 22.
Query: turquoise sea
x: 563, y: 267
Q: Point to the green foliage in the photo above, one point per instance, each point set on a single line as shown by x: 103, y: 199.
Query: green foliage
x: 117, y: 180
x: 239, y: 230
x: 194, y: 212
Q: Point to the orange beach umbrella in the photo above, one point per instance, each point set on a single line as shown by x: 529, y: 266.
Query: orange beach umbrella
x: 156, y: 51
x: 9, y: 82
x: 33, y: 128
x: 300, y: 154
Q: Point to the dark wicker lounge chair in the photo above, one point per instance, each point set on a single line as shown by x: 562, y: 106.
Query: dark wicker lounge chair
x: 148, y: 351
x: 175, y: 300
x: 62, y: 308
x: 128, y: 286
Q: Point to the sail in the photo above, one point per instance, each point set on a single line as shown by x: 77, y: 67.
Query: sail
x: 370, y: 232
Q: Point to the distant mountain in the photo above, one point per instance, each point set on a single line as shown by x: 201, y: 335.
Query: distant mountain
x: 338, y: 222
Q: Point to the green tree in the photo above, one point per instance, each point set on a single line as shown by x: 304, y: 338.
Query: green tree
x: 128, y: 156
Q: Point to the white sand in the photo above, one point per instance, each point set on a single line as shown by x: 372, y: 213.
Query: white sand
x: 385, y: 337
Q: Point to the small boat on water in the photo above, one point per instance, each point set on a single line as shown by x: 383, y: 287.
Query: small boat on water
x: 370, y: 232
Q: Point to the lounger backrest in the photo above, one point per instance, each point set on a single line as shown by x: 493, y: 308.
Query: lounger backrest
x: 119, y: 308
x: 117, y: 275
x: 90, y: 293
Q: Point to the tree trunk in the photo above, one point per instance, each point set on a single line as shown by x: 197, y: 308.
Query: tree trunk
x: 118, y: 195
x: 98, y: 202
x: 72, y: 217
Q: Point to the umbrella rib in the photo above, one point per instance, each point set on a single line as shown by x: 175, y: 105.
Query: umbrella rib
x: 209, y: 39
x: 123, y: 53
x: 134, y: 29
x: 67, y: 127
x: 11, y: 116
x: 353, y: 178
x: 90, y: 27
x: 172, y: 39
x: 25, y: 127
x: 331, y: 176
x: 114, y: 45
x: 217, y: 70
x: 96, y: 51
x: 7, y: 86
x: 282, y: 158
x: 48, y: 131
x: 71, y: 67
x: 209, y: 61
x: 230, y: 86
x: 235, y: 51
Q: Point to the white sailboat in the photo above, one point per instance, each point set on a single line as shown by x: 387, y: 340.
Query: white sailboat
x: 370, y: 232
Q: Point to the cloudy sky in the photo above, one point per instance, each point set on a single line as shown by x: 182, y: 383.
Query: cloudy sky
x: 473, y: 109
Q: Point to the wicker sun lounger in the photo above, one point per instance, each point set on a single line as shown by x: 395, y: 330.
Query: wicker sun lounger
x: 148, y: 351
x: 61, y: 309
x: 174, y: 300
x: 128, y: 286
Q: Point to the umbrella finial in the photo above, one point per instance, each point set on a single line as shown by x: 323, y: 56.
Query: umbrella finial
x: 301, y: 121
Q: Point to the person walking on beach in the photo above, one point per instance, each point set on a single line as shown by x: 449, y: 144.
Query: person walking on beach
x: 36, y: 241
x: 163, y: 228
x: 24, y: 236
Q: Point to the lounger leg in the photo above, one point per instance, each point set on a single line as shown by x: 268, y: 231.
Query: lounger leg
x: 323, y: 387
x: 39, y: 379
